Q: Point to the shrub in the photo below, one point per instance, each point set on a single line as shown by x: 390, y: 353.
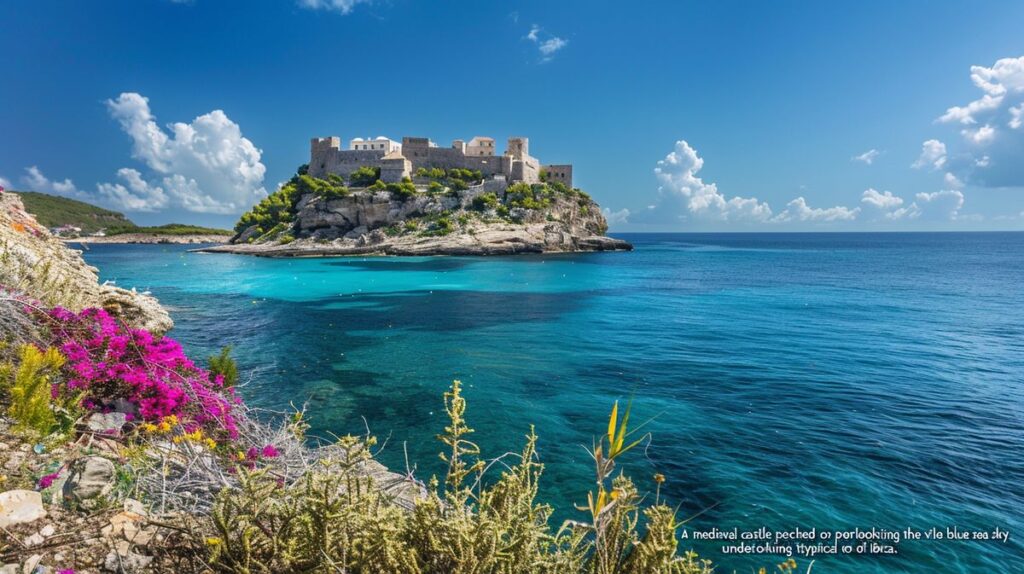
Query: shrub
x: 378, y: 186
x: 225, y: 367
x: 336, y: 519
x: 435, y: 187
x: 107, y: 363
x: 405, y: 190
x: 32, y: 389
x: 364, y: 176
x: 485, y: 201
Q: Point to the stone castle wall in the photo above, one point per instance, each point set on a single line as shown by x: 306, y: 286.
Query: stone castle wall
x: 326, y: 156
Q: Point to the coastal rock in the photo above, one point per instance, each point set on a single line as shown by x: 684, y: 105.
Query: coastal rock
x: 381, y: 223
x: 20, y: 507
x: 106, y: 422
x: 91, y: 478
x: 41, y: 265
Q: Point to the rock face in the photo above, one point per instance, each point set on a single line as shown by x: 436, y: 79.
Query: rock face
x: 382, y: 223
x: 33, y: 261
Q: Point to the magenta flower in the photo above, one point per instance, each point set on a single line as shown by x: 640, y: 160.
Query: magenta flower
x: 47, y: 481
x: 270, y: 452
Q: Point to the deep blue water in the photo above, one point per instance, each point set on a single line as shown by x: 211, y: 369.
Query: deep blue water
x: 813, y: 380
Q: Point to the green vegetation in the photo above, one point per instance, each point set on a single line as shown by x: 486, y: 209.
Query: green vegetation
x: 405, y: 190
x: 335, y: 519
x: 54, y: 211
x: 224, y: 365
x: 435, y: 187
x: 364, y: 176
x: 524, y: 195
x: 30, y: 389
x: 167, y: 229
x: 486, y: 201
x: 274, y: 214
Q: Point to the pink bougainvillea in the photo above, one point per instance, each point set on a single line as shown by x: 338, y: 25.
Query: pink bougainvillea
x: 110, y: 365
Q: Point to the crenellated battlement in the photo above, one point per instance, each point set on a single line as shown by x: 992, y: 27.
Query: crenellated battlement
x: 397, y: 161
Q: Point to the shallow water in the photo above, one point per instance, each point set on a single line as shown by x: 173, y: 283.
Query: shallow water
x: 813, y: 380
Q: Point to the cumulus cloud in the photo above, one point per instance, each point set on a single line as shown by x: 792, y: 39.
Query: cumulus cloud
x: 942, y: 205
x: 614, y: 217
x: 5, y: 183
x: 36, y: 181
x: 938, y: 206
x: 684, y: 195
x: 547, y: 44
x: 135, y: 194
x: 798, y: 210
x: 933, y: 154
x: 339, y: 6
x: 992, y: 138
x: 205, y: 166
x: 868, y: 157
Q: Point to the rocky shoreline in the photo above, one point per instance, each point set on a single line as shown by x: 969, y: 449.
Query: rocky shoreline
x: 514, y: 240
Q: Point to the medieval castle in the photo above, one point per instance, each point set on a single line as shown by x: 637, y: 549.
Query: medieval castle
x: 400, y: 160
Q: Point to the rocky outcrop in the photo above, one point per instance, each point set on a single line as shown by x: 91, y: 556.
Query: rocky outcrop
x: 39, y: 264
x: 154, y: 238
x: 383, y: 223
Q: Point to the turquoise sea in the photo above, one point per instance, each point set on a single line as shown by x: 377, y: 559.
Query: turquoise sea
x: 835, y: 381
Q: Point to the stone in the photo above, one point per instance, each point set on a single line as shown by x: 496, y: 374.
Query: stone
x: 90, y: 479
x: 20, y: 507
x: 106, y: 422
x: 127, y: 563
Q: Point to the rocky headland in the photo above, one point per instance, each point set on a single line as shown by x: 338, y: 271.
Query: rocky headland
x: 153, y: 239
x: 317, y: 217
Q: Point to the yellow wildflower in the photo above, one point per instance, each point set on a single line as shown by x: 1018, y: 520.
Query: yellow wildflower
x: 659, y: 478
x: 213, y: 541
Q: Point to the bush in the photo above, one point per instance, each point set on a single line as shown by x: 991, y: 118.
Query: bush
x: 32, y: 388
x: 225, y: 367
x: 336, y: 519
x: 485, y: 201
x: 405, y: 190
x: 435, y: 187
x: 364, y: 176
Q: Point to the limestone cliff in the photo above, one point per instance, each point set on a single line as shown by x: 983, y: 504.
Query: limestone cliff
x: 35, y: 262
x: 486, y: 219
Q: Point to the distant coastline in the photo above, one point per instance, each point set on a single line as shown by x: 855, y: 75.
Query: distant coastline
x: 152, y: 238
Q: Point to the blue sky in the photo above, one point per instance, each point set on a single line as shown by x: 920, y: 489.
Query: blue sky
x: 188, y: 111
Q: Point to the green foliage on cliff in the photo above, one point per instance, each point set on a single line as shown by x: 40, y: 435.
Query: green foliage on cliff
x: 54, y: 211
x: 225, y: 366
x: 364, y: 176
x: 486, y: 201
x: 336, y: 519
x: 279, y: 207
x: 405, y: 190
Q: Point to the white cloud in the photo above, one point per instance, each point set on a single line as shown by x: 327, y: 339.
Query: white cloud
x: 137, y: 195
x: 36, y: 181
x: 941, y: 205
x: 5, y: 183
x: 980, y: 136
x: 882, y: 205
x: 547, y: 44
x: 1016, y: 117
x: 205, y: 166
x: 682, y: 194
x: 952, y: 181
x: 798, y: 210
x: 993, y: 142
x: 339, y: 6
x: 867, y: 157
x: 614, y: 217
x: 933, y: 153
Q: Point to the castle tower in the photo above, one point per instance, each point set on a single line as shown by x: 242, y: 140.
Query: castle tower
x: 518, y: 148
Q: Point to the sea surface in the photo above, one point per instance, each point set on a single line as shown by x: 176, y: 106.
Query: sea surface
x: 829, y: 381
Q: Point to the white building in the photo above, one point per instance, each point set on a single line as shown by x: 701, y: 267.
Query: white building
x: 378, y: 143
x: 480, y: 145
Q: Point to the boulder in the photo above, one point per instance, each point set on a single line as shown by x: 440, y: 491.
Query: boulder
x: 20, y: 507
x: 91, y: 478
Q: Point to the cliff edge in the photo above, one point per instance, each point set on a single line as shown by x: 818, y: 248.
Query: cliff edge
x: 433, y: 216
x: 34, y: 261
